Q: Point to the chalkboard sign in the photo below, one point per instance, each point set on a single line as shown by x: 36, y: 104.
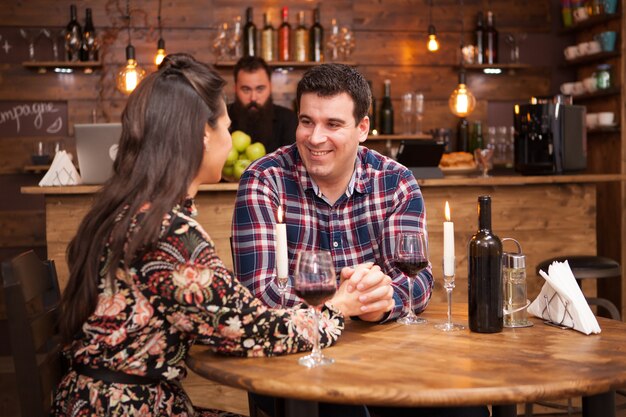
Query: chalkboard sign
x: 33, y: 118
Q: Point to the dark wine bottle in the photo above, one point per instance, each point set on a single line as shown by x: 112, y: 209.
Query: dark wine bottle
x: 249, y: 35
x: 284, y: 37
x: 491, y: 40
x: 479, y: 34
x: 89, y: 47
x: 462, y: 135
x: 371, y: 113
x: 316, y: 38
x: 386, y: 111
x: 485, y: 274
x: 73, y: 36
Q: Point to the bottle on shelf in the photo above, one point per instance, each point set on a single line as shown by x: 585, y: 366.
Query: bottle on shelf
x: 462, y: 135
x: 249, y: 35
x: 386, y: 111
x: 301, y: 40
x: 73, y: 36
x: 476, y: 138
x: 490, y: 42
x: 284, y: 37
x: 479, y: 33
x: 371, y: 113
x: 268, y: 39
x: 485, y: 298
x: 316, y: 38
x: 89, y: 46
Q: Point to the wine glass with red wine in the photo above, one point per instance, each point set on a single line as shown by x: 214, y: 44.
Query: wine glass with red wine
x: 410, y: 257
x: 315, y: 282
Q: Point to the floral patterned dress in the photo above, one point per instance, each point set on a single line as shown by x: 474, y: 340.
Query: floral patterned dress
x: 173, y: 296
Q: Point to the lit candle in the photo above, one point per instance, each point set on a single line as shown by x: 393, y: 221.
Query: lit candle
x: 448, y: 244
x: 282, y: 264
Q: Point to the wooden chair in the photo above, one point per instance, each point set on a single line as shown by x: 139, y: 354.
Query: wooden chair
x: 32, y: 295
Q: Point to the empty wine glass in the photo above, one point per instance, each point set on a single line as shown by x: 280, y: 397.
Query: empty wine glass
x: 483, y: 159
x: 315, y: 283
x: 410, y: 257
x: 234, y: 39
x: 31, y: 36
x: 334, y: 41
x: 220, y: 42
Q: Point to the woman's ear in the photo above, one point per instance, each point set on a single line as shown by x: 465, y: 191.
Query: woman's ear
x: 207, y: 137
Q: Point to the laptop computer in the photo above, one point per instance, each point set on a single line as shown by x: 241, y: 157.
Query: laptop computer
x: 421, y: 157
x: 96, y: 146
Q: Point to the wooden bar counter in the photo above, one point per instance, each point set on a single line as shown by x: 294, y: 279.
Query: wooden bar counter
x: 548, y: 215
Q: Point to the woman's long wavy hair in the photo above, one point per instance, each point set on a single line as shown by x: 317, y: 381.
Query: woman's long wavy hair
x: 160, y: 153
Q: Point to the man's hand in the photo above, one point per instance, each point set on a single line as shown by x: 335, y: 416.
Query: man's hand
x: 368, y: 285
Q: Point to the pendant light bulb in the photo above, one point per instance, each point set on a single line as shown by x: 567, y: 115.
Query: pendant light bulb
x: 433, y: 43
x: 158, y: 58
x: 462, y: 102
x: 131, y: 74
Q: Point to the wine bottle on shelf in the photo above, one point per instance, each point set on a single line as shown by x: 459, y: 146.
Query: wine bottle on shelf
x: 73, y: 36
x: 462, y: 135
x: 484, y: 279
x: 479, y: 34
x: 301, y: 40
x: 268, y: 40
x: 386, y: 111
x: 476, y: 140
x: 89, y: 47
x: 372, y: 110
x: 249, y: 35
x: 491, y: 40
x: 284, y: 37
x: 316, y: 38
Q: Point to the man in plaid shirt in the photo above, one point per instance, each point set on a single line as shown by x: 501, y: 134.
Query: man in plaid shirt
x: 337, y: 196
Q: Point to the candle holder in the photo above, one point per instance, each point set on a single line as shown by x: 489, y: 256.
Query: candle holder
x: 448, y: 284
x: 282, y: 284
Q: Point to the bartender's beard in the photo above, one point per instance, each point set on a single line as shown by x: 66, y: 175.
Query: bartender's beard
x: 255, y: 120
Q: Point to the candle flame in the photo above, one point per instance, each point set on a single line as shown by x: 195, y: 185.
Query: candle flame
x: 279, y: 214
x: 447, y: 212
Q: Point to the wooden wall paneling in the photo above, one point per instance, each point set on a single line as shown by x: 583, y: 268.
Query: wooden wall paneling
x: 22, y: 228
x: 15, y: 153
x: 532, y: 15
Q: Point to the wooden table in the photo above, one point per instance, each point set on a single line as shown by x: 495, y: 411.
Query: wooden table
x: 396, y: 365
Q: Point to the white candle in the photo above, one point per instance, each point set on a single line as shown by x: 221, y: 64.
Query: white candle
x: 282, y: 263
x: 448, y: 244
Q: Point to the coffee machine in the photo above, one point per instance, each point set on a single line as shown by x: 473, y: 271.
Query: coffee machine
x: 550, y: 138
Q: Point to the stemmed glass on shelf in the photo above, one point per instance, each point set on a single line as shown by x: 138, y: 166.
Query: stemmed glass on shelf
x: 315, y: 282
x: 410, y: 257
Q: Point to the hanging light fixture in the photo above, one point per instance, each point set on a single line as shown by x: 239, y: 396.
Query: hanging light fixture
x: 462, y: 101
x: 161, y: 43
x: 130, y: 75
x: 433, y: 43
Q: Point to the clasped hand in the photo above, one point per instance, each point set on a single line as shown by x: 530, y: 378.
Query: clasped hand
x: 365, y: 291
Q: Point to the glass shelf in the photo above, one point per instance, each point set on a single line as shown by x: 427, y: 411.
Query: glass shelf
x: 419, y: 136
x: 494, y: 69
x: 62, y: 67
x: 591, y: 22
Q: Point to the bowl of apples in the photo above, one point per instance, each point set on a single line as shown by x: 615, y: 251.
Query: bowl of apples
x: 243, y: 152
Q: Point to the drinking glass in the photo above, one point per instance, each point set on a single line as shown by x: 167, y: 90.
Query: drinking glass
x: 483, y: 159
x: 410, y: 257
x: 315, y: 283
x: 448, y: 326
x: 408, y: 112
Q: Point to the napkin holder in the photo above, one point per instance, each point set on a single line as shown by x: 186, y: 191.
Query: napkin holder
x: 62, y: 172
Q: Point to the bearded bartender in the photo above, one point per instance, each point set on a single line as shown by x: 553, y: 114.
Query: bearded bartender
x: 254, y: 112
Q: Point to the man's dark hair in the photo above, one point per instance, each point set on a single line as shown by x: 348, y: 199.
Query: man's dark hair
x: 251, y: 64
x: 329, y: 80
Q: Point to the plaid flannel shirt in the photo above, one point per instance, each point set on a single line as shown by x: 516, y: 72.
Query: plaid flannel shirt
x: 382, y: 200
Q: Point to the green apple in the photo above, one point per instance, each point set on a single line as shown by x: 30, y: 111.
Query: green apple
x: 233, y: 155
x: 239, y: 167
x: 227, y: 172
x: 240, y: 140
x: 255, y: 151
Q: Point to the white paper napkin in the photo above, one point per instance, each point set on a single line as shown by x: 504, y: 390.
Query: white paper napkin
x: 61, y: 172
x: 562, y: 302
